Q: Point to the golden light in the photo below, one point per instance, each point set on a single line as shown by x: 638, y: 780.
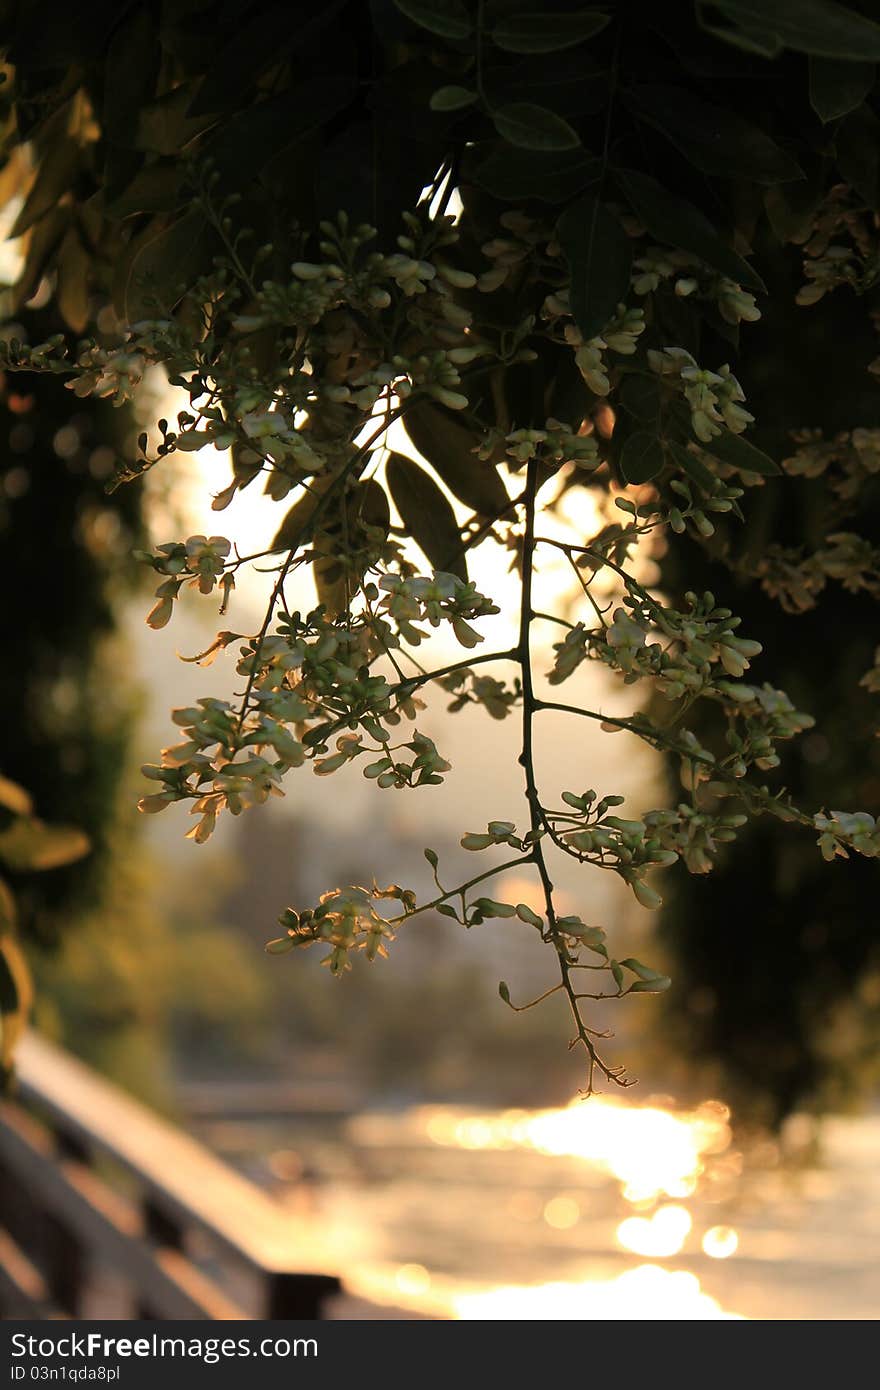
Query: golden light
x: 651, y: 1151
x: 720, y: 1242
x: 664, y: 1233
x: 646, y: 1293
x: 413, y: 1281
x: 474, y: 1134
x: 562, y: 1213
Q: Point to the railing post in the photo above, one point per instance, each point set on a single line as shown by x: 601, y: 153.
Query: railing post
x: 64, y: 1266
x: 163, y: 1231
x: 292, y: 1297
x: 65, y: 1259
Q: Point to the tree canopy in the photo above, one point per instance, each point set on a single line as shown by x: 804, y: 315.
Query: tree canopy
x: 630, y: 250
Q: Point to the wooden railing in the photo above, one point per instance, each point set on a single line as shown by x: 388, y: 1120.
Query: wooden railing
x: 108, y: 1210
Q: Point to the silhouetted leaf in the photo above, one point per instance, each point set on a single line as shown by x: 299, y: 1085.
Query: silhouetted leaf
x: 166, y: 125
x: 808, y: 26
x: 545, y: 31
x: 155, y: 188
x: 676, y: 222
x: 838, y: 87
x: 640, y: 396
x: 293, y: 530
x: 447, y: 18
x: 691, y: 466
x: 128, y: 75
x: 41, y: 246
x: 72, y: 291
x: 599, y: 255
x: 641, y: 458
x: 343, y: 525
x: 736, y: 451
x: 426, y: 514
x: 511, y: 174
x: 245, y: 144
x: 163, y: 264
x: 533, y: 127
x: 448, y: 445
x: 715, y: 140
x: 452, y: 99
x: 55, y: 174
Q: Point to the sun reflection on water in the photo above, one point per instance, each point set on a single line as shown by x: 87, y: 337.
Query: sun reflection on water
x: 645, y: 1293
x: 650, y: 1150
x: 664, y: 1233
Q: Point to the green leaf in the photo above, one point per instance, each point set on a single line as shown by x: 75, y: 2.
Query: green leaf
x: 28, y: 845
x: 736, y: 451
x: 531, y: 127
x: 691, y: 466
x: 452, y: 99
x: 445, y: 441
x: 280, y: 945
x: 431, y: 856
x: 545, y: 31
x: 599, y: 255
x: 715, y: 140
x: 570, y: 83
x: 808, y: 26
x: 655, y: 986
x: 527, y: 915
x: 676, y: 222
x: 552, y: 177
x: 490, y: 907
x: 641, y: 458
x: 838, y: 87
x: 644, y: 972
x: 426, y: 514
x: 504, y: 991
x: 447, y: 18
x: 750, y: 40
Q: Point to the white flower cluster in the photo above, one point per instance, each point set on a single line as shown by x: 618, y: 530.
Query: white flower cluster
x: 715, y: 398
